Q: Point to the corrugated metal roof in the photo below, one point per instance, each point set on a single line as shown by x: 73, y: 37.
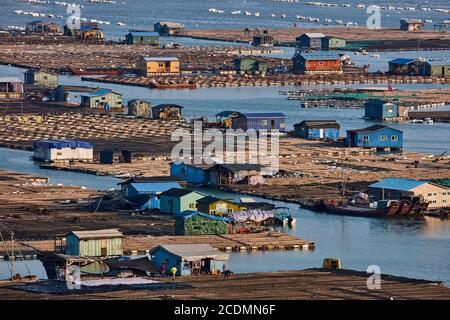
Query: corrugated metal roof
x: 98, y: 234
x: 264, y: 115
x: 144, y: 34
x: 161, y: 59
x: 98, y: 93
x: 155, y: 187
x: 400, y: 184
x: 9, y: 79
x: 320, y: 56
x: 192, y: 252
x: 402, y: 60
x: 373, y: 128
x: 439, y: 62
x: 235, y: 167
x: 177, y: 192
x: 314, y: 35
x: 210, y: 199
x: 319, y: 124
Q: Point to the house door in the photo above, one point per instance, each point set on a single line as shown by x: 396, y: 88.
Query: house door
x: 206, y: 265
x: 272, y: 124
x: 171, y: 206
x: 104, y: 248
x: 321, y: 133
x: 443, y: 71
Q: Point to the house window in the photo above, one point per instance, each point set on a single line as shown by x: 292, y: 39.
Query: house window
x: 213, y: 212
x: 264, y: 122
x: 429, y: 194
x: 191, y: 205
x: 59, y: 153
x: 383, y: 138
x: 230, y: 210
x: 366, y: 138
x: 394, y: 138
x: 321, y: 62
x: 161, y: 65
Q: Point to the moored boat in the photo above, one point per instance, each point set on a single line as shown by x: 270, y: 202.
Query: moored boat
x: 361, y: 211
x: 92, y: 72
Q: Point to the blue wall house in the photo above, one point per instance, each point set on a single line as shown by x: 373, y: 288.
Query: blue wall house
x: 310, y: 41
x: 146, y: 195
x: 176, y: 201
x: 194, y: 174
x: 317, y: 129
x: 380, y: 110
x: 189, y: 259
x: 376, y: 136
x: 260, y: 121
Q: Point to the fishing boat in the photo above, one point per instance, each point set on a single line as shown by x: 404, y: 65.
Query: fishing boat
x: 361, y: 211
x: 88, y: 72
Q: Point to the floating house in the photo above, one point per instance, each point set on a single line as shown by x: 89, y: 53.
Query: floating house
x: 142, y: 37
x: 310, y: 41
x: 442, y: 26
x: 139, y: 108
x: 437, y: 196
x: 63, y: 150
x: 401, y: 66
x: 437, y: 68
x: 317, y: 63
x: 166, y: 28
x: 227, y: 174
x: 263, y: 40
x: 41, y: 77
x: 87, y: 31
x: 380, y: 110
x: 247, y: 64
x: 192, y: 173
x: 191, y: 223
x: 176, y: 200
x: 102, y: 99
x: 217, y: 207
x: 94, y: 243
x: 376, y: 136
x: 259, y: 121
x: 11, y: 88
x: 145, y: 195
x: 333, y: 43
x: 151, y: 66
x: 189, y: 259
x: 70, y: 94
x: 167, y: 112
x: 317, y: 129
x: 411, y: 24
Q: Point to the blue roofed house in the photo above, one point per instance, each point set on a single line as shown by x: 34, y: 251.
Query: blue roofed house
x: 189, y: 259
x: 260, y: 121
x: 437, y: 196
x: 380, y: 110
x: 376, y: 136
x: 142, y: 37
x: 310, y: 40
x: 176, y: 201
x: 192, y: 173
x: 146, y: 195
x: 401, y: 66
x: 102, y: 98
x: 317, y: 129
x: 63, y: 150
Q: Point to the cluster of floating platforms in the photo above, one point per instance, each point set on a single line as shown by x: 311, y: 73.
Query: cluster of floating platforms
x: 269, y: 80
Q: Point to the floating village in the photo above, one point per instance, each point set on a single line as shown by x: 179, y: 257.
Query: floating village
x: 168, y: 229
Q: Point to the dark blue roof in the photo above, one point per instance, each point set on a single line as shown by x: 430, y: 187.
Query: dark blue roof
x: 189, y: 213
x: 51, y: 144
x: 398, y: 184
x: 97, y: 93
x: 144, y: 34
x: 264, y: 115
x: 155, y: 187
x: 402, y: 61
x: 379, y: 103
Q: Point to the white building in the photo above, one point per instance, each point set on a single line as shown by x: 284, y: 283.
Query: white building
x: 63, y: 150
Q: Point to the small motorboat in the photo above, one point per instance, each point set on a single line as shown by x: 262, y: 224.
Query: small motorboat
x: 283, y: 217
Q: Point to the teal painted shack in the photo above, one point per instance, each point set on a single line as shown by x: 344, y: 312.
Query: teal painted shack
x: 94, y: 243
x: 194, y: 174
x: 189, y: 259
x: 380, y: 110
x: 247, y: 64
x: 191, y: 223
x: 376, y: 136
x: 175, y: 200
x: 333, y: 43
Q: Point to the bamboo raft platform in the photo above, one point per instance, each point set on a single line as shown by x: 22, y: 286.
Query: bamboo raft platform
x: 270, y: 80
x: 134, y: 245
